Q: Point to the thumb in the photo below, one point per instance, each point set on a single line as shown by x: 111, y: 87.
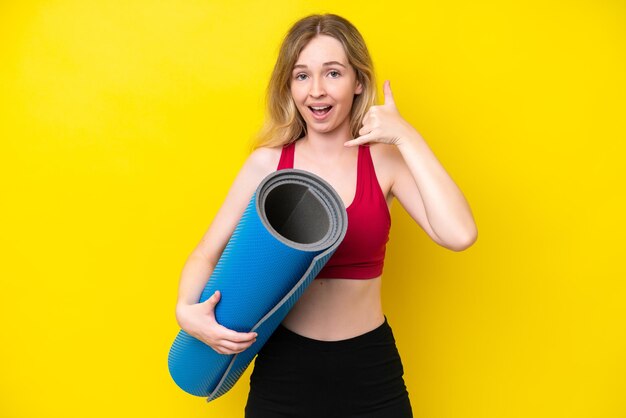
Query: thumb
x: 388, y: 95
x: 214, y: 299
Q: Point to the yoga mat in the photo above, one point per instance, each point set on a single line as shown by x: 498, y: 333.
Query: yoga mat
x: 293, y: 224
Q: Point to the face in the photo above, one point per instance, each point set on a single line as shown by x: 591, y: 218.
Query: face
x: 323, y: 78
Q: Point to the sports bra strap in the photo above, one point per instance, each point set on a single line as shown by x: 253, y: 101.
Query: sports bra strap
x: 286, y: 156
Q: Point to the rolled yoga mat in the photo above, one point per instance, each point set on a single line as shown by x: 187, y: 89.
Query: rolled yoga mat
x: 293, y: 224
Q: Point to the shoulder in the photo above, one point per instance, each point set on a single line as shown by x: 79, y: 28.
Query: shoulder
x: 385, y: 157
x: 263, y: 159
x: 259, y: 164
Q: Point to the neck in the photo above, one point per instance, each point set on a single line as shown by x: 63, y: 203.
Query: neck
x: 327, y: 146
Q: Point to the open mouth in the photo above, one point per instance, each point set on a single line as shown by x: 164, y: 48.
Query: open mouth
x: 320, y: 111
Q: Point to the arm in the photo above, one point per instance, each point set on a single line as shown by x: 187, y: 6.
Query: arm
x: 198, y: 319
x: 420, y: 182
x: 430, y: 196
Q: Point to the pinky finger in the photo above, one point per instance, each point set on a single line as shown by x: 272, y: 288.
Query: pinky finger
x: 222, y: 350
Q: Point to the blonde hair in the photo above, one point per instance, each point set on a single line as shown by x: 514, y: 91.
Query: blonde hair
x: 283, y: 123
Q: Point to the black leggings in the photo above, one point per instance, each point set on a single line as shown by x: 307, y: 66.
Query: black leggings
x: 299, y: 377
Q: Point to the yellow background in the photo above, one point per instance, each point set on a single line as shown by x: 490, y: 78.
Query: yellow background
x: 123, y: 123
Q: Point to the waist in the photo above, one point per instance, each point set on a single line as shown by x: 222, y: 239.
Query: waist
x: 381, y: 331
x: 336, y: 309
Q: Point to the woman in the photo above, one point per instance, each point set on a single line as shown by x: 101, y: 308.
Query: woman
x: 334, y: 354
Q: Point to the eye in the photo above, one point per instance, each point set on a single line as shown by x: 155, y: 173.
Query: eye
x: 336, y: 72
x: 298, y: 76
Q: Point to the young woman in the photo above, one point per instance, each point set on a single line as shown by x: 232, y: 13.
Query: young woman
x: 334, y: 355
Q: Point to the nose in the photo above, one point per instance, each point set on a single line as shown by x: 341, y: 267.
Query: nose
x: 317, y: 87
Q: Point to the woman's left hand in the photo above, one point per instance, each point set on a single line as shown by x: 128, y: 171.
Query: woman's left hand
x: 383, y: 123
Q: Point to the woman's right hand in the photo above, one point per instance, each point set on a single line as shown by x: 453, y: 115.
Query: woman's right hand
x: 198, y: 320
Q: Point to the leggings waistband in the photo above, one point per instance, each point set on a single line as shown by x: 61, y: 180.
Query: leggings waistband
x: 382, y: 332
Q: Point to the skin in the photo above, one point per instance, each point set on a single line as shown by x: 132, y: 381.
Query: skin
x: 406, y: 169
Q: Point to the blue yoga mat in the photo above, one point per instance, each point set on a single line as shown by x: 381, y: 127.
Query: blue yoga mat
x: 293, y: 224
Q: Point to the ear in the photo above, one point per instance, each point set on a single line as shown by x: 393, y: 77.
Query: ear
x: 359, y: 88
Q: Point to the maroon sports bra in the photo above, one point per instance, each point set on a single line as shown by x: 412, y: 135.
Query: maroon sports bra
x: 361, y: 254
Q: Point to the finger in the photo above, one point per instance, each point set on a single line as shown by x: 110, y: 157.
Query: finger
x: 389, y: 100
x: 360, y: 140
x: 228, y: 347
x: 222, y: 350
x: 235, y: 347
x: 365, y: 130
x: 229, y: 334
x: 214, y: 299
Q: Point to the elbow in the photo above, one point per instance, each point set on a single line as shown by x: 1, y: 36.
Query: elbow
x: 466, y: 242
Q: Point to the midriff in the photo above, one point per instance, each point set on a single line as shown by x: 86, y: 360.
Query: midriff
x: 337, y: 309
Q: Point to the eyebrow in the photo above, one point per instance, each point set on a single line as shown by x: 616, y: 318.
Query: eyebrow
x: 324, y: 65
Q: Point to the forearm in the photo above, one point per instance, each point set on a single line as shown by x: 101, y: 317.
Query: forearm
x: 193, y: 279
x: 447, y: 210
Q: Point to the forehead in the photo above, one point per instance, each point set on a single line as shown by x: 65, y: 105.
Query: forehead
x: 322, y: 48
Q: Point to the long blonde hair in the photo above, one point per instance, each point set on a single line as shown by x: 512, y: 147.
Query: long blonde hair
x: 283, y: 123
